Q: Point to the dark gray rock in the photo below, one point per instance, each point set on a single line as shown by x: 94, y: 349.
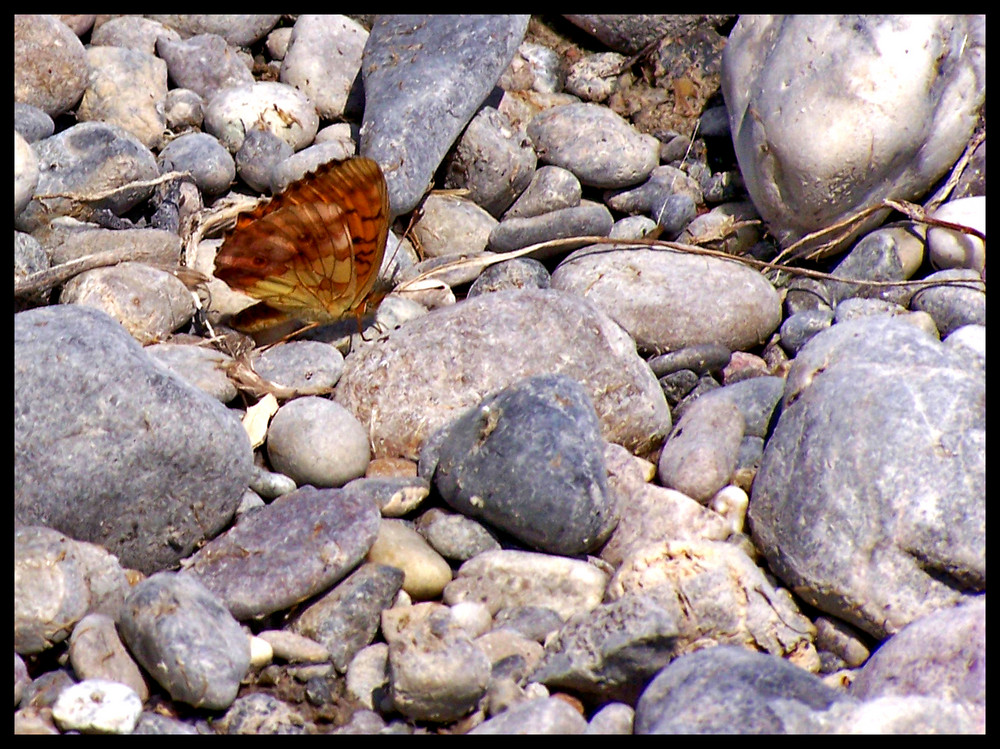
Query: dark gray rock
x: 210, y: 165
x: 261, y: 714
x: 185, y: 639
x: 257, y: 156
x: 756, y: 398
x: 673, y: 213
x: 701, y: 358
x: 550, y: 189
x: 31, y: 122
x: 345, y: 619
x: 113, y: 449
x: 299, y: 545
x: 447, y: 65
x: 151, y: 724
x: 870, y: 499
x: 631, y: 33
x: 530, y: 460
x: 203, y: 63
x: 678, y: 384
x: 939, y: 655
x: 877, y: 257
x: 729, y: 689
x: 612, y: 651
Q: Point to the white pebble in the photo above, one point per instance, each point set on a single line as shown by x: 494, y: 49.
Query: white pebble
x: 97, y: 706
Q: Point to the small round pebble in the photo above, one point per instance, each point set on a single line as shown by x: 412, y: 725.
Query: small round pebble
x: 97, y: 706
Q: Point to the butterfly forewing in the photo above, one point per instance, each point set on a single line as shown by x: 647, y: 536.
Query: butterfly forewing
x: 315, y: 250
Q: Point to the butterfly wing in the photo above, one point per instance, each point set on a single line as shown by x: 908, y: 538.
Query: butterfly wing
x: 315, y: 250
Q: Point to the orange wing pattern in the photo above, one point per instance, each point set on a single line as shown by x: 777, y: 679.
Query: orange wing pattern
x: 314, y: 251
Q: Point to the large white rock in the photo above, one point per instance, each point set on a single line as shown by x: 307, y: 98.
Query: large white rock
x: 830, y: 114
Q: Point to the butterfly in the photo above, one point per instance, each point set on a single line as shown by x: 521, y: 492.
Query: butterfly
x: 314, y: 251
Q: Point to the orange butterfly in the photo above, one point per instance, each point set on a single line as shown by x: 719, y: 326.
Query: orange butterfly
x: 314, y: 251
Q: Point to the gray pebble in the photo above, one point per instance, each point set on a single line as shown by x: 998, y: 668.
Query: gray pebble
x: 238, y: 30
x: 953, y: 305
x: 519, y: 273
x: 185, y: 639
x: 797, y: 329
x: 701, y: 358
x: 309, y: 367
x: 545, y: 715
x: 31, y: 122
x: 210, y: 165
x: 586, y: 219
x: 96, y: 652
x: 451, y: 225
x: 257, y: 157
x: 50, y: 64
x: 132, y: 32
x: 550, y: 189
x: 597, y: 145
x: 455, y: 536
x: 298, y: 546
x: 260, y: 714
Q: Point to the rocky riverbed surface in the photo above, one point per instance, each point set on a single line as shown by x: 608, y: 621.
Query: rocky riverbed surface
x: 717, y: 467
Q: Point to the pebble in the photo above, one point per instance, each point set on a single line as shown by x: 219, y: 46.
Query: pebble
x: 426, y: 572
x: 506, y: 578
x: 299, y: 545
x: 491, y: 162
x: 669, y: 300
x: 345, y: 619
x: 595, y: 144
x: 183, y: 637
x: 529, y: 461
x: 551, y: 188
x: 436, y: 673
x: 951, y: 249
x: 699, y: 457
x: 150, y: 303
x: 483, y: 106
x: 96, y: 652
x: 97, y: 706
x: 316, y: 441
x: 308, y: 65
x: 451, y: 225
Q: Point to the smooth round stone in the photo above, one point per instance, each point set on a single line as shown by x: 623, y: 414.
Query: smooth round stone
x: 855, y: 307
x: 211, y: 166
x: 21, y: 678
x: 699, y: 457
x: 550, y: 189
x: 149, y: 302
x: 668, y: 300
x: 97, y: 706
x: 398, y: 545
x: 185, y: 639
x: 84, y: 159
x: 184, y: 109
x: 952, y: 249
x: 599, y: 146
x: 519, y: 273
x: 31, y: 122
x: 25, y: 173
x: 317, y: 441
x: 451, y: 225
x: 96, y: 652
x: 615, y: 718
x: 434, y: 367
x: 595, y: 77
x: 889, y: 254
x: 491, y: 161
x: 632, y: 227
x: 368, y: 674
x: 447, y: 66
x: 309, y: 65
x: 277, y: 42
x: 530, y: 461
x: 309, y: 367
x: 678, y: 384
x: 953, y: 305
x: 969, y: 341
x: 126, y: 88
x: 296, y: 547
x: 132, y: 32
x: 673, y: 213
x: 154, y: 246
x: 284, y: 110
x: 587, y: 219
x: 194, y: 453
x: 238, y: 30
x: 308, y: 160
x: 805, y: 130
x: 50, y: 64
